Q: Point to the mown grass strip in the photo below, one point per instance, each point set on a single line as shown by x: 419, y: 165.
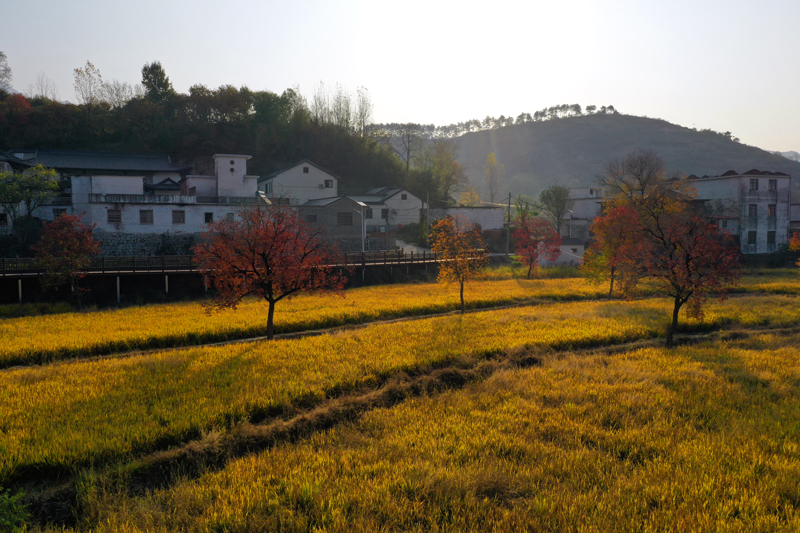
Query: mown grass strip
x: 43, y: 339
x: 699, y: 438
x: 73, y: 413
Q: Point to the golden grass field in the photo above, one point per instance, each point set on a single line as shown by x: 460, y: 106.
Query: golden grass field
x: 700, y: 438
x: 42, y: 339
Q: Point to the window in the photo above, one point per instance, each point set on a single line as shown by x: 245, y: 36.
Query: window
x: 773, y: 185
x: 574, y: 250
x: 58, y: 212
x: 305, y: 170
x: 772, y: 210
x: 751, y: 237
x: 329, y: 184
x: 209, y: 218
x: 368, y: 213
x: 145, y: 216
x: 770, y: 237
x: 114, y: 216
x: 753, y: 211
x: 268, y: 188
x: 344, y: 219
x: 724, y: 224
x: 179, y: 217
x: 404, y: 197
x: 229, y: 217
x: 311, y: 219
x: 385, y: 214
x: 3, y: 219
x: 753, y: 184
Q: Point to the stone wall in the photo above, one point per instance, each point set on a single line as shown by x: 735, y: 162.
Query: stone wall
x: 142, y: 244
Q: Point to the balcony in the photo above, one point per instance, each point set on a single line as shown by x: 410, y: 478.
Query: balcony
x: 173, y: 199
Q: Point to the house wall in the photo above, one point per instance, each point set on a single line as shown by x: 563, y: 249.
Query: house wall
x: 162, y: 217
x: 729, y: 199
x: 294, y: 183
x: 328, y: 216
x: 202, y: 185
x: 571, y: 255
x: 487, y: 217
x: 402, y: 212
x: 231, y: 173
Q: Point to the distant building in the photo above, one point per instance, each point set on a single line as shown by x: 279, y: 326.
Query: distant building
x: 140, y: 204
x: 390, y: 208
x: 754, y: 206
x: 586, y: 206
x: 489, y: 217
x: 300, y: 183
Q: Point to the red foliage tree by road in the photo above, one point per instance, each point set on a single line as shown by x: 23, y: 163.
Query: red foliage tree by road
x: 269, y: 253
x: 535, y: 239
x: 460, y: 250
x: 794, y: 244
x: 64, y: 250
x: 609, y: 257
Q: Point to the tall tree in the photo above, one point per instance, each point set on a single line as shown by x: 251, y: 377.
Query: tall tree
x: 555, y: 203
x: 447, y: 175
x: 158, y: 88
x: 675, y: 246
x: 65, y: 250
x: 88, y: 89
x: 609, y: 257
x: 535, y: 239
x: 269, y: 253
x: 409, y: 143
x: 21, y: 193
x: 5, y: 73
x: 492, y: 174
x: 460, y: 251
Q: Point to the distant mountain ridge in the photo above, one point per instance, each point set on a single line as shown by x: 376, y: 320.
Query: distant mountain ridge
x: 573, y: 151
x: 794, y: 156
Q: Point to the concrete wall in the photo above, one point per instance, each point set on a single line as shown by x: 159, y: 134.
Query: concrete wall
x: 487, y: 217
x: 328, y: 217
x: 194, y: 217
x: 128, y: 244
x: 231, y: 173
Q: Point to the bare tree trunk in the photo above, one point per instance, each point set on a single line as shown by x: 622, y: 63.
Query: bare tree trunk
x: 674, y: 325
x: 270, y: 316
x: 462, y: 296
x: 611, y: 287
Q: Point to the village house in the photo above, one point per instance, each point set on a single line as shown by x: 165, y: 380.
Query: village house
x: 390, y: 208
x: 141, y: 204
x: 300, y: 183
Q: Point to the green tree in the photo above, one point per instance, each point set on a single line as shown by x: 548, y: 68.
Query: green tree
x: 23, y: 192
x: 447, y: 175
x: 157, y: 86
x: 89, y: 90
x: 555, y: 203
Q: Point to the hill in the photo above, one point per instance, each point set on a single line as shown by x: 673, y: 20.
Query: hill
x: 572, y: 151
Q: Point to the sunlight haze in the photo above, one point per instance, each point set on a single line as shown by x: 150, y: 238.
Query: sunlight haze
x: 724, y: 65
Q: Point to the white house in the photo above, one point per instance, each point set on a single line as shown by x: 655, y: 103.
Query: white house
x: 572, y: 250
x: 390, y: 208
x: 141, y: 194
x: 754, y: 205
x: 300, y: 183
x: 586, y: 206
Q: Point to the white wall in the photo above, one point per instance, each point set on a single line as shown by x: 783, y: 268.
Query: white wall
x: 162, y: 217
x: 232, y: 178
x: 487, y: 217
x: 305, y: 186
x: 402, y: 212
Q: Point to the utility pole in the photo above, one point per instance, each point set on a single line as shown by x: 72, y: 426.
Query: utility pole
x: 427, y: 215
x: 508, y: 227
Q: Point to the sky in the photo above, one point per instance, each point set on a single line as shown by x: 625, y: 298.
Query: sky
x: 727, y: 65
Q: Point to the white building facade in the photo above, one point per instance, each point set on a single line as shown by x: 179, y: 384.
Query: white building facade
x: 300, y: 183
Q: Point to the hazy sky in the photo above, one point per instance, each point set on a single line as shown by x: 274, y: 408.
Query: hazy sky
x: 728, y: 65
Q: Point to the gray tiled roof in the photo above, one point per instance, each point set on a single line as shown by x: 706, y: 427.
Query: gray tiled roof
x: 99, y: 160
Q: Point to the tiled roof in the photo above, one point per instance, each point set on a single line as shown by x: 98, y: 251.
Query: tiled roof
x: 731, y: 173
x: 99, y: 160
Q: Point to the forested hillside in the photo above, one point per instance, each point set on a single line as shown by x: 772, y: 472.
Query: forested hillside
x: 572, y: 151
x: 277, y: 130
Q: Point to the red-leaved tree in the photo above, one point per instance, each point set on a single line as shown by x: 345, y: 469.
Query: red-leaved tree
x: 794, y: 244
x: 609, y: 257
x: 269, y: 253
x: 65, y: 250
x: 460, y: 250
x: 535, y: 239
